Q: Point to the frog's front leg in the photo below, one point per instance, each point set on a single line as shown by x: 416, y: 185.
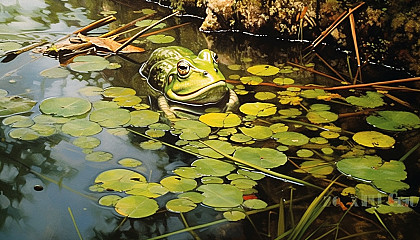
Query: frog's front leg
x: 164, y: 106
x: 233, y: 102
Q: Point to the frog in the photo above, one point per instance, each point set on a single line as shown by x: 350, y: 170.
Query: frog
x: 178, y: 77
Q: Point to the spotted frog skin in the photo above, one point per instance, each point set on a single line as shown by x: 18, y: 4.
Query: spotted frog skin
x: 177, y: 75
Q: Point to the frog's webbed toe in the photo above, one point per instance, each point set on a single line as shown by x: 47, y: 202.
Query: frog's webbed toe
x: 164, y: 106
x: 233, y: 102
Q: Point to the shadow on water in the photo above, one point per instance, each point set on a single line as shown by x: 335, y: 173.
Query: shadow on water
x: 41, y: 180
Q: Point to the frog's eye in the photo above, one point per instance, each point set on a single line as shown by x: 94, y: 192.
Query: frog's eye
x: 215, y: 58
x: 183, y: 69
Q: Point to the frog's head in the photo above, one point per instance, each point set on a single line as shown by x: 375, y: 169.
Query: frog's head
x: 196, y: 81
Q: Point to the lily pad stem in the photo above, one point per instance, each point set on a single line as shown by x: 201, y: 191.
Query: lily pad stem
x: 409, y: 152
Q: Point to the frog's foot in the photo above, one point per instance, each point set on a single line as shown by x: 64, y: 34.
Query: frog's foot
x: 164, y: 106
x: 233, y: 102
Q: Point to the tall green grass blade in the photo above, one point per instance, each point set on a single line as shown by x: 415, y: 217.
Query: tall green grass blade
x: 74, y: 223
x: 383, y: 224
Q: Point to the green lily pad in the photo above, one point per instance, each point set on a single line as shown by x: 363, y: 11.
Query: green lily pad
x: 110, y: 117
x: 316, y: 168
x: 223, y: 146
x: 251, y: 80
x: 130, y: 162
x: 9, y: 46
x: 151, y: 145
x: 212, y: 167
x: 278, y: 127
x: 240, y: 138
x: 290, y: 112
x: 148, y: 22
x: 127, y: 100
x: 257, y: 132
x: 291, y: 138
x: 195, y: 197
x: 368, y: 193
x: 160, y: 38
x: 394, y: 120
x: 65, y: 106
x: 234, y: 216
x: 136, y: 206
x: 258, y: 109
x: 265, y: 96
x: 109, y: 200
x: 390, y: 186
x: 321, y: 116
x: 372, y: 168
x: 370, y: 100
x: 143, y: 118
x: 55, y: 72
x: 243, y: 183
x: 263, y: 157
x: 44, y: 130
x: 283, y: 81
x: 87, y: 142
x: 252, y: 175
x: 389, y: 209
x: 119, y: 179
x: 263, y: 70
x: 113, y: 92
x: 373, y: 139
x: 14, y: 104
x: 99, y: 156
x: 18, y: 121
x: 91, y: 91
x: 187, y: 172
x: 192, y: 130
x: 208, y: 180
x: 150, y: 190
x: 225, y: 120
x: 304, y: 153
x: 88, y: 63
x: 221, y: 195
x: 254, y: 204
x: 312, y: 93
x: 26, y: 134
x: 48, y: 119
x: 81, y: 127
x: 155, y: 133
x: 180, y: 205
x: 178, y: 184
x: 235, y: 67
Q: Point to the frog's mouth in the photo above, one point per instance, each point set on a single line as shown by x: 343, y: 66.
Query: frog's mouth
x: 209, y: 94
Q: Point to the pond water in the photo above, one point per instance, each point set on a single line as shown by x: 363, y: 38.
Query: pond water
x: 47, y: 186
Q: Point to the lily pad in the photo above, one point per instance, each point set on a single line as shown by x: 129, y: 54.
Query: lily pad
x: 192, y: 130
x: 195, y: 197
x: 160, y: 38
x: 257, y: 132
x: 88, y: 63
x: 109, y: 200
x: 55, y: 72
x: 263, y: 157
x: 223, y: 146
x: 291, y: 138
x: 251, y: 80
x: 136, y: 206
x: 148, y: 22
x: 394, y: 120
x: 26, y: 134
x: 178, y: 184
x: 14, y: 104
x: 99, y: 156
x: 127, y: 100
x: 234, y: 216
x: 373, y: 139
x: 212, y: 167
x: 265, y: 96
x: 44, y: 130
x: 254, y: 204
x: 221, y: 195
x: 240, y: 138
x: 321, y: 116
x: 180, y: 205
x: 119, y: 179
x: 91, y: 91
x: 372, y: 168
x: 130, y: 162
x: 65, y: 106
x: 143, y: 118
x: 258, y: 109
x: 389, y: 209
x: 9, y: 46
x: 110, y: 117
x: 225, y: 120
x: 151, y: 145
x: 317, y: 168
x: 283, y: 81
x: 263, y: 70
x: 18, y: 121
x: 113, y: 92
x: 150, y: 190
x: 312, y: 93
x: 187, y: 172
x: 290, y: 112
x: 81, y: 127
x: 370, y: 100
x: 87, y: 142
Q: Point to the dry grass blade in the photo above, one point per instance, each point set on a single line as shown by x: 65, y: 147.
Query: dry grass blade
x: 330, y: 67
x: 356, y: 48
x: 125, y: 27
x: 314, y: 71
